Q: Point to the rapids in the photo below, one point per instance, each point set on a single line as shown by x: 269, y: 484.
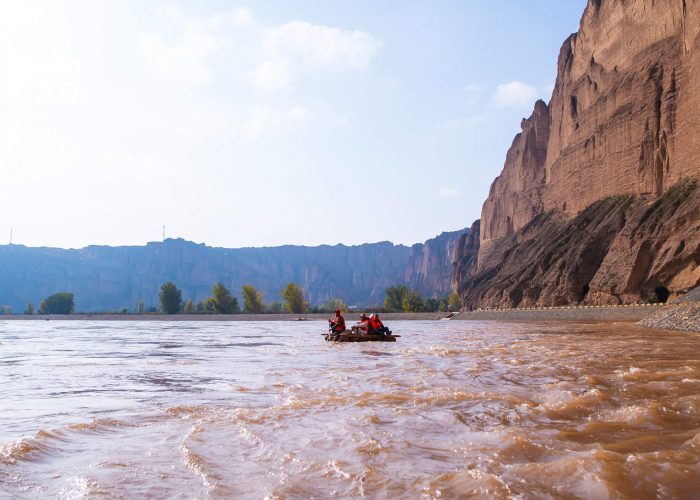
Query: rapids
x: 268, y: 409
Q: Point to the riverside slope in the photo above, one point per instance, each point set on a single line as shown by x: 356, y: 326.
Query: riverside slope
x: 598, y: 201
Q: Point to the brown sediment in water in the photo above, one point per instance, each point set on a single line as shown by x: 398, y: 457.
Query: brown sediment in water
x: 454, y: 409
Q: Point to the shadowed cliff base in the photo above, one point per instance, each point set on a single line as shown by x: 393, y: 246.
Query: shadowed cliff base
x: 621, y: 249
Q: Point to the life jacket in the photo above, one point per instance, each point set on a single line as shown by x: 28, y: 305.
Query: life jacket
x: 376, y: 324
x: 338, y: 324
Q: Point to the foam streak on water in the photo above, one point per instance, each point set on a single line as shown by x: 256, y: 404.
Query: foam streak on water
x: 253, y: 410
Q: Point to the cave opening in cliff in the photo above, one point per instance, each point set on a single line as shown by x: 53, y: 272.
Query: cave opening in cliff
x: 662, y: 294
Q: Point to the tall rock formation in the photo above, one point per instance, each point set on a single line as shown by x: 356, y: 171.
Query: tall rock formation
x: 621, y: 133
x: 430, y: 264
x: 516, y: 195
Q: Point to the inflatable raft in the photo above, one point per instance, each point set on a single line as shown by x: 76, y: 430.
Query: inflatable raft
x: 358, y: 337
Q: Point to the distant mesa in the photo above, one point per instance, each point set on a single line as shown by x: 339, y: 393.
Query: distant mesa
x: 104, y: 278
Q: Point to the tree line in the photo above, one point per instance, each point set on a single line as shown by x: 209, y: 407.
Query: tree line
x: 222, y: 301
x: 399, y: 298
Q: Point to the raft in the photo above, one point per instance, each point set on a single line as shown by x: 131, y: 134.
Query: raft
x: 359, y: 337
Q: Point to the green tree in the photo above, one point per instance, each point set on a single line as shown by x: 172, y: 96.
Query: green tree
x: 293, y: 297
x: 412, y: 302
x: 432, y: 304
x: 224, y: 302
x: 189, y: 307
x: 199, y: 307
x: 58, y: 303
x: 275, y: 307
x: 442, y: 307
x: 252, y: 300
x: 454, y: 302
x: 30, y: 309
x: 335, y: 304
x: 394, y: 298
x: 209, y: 306
x: 170, y: 298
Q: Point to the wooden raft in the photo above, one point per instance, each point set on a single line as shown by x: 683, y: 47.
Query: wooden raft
x: 358, y: 337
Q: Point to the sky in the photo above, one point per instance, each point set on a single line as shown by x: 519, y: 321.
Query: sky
x: 263, y: 123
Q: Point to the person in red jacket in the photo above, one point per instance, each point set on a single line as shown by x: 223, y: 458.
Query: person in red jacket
x: 337, y: 323
x: 376, y: 325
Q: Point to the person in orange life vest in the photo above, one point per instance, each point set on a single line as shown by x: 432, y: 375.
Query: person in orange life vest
x: 363, y: 325
x: 337, y: 323
x: 376, y: 325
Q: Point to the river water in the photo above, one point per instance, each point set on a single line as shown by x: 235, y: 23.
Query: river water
x: 268, y: 409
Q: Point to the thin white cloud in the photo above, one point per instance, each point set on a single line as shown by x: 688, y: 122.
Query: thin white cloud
x: 272, y: 75
x: 448, y: 192
x: 298, y: 46
x: 389, y: 82
x: 317, y: 45
x: 299, y: 113
x: 190, y: 58
x: 472, y: 93
x: 185, y: 62
x: 459, y: 123
x: 514, y: 94
x: 241, y: 16
x: 262, y: 120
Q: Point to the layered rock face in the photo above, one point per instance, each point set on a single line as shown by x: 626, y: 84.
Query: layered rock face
x: 516, y: 195
x: 626, y: 103
x: 112, y: 278
x: 430, y: 264
x: 624, y: 119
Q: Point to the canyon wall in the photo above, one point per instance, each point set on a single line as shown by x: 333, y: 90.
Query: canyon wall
x: 430, y: 264
x: 623, y: 124
x: 111, y: 278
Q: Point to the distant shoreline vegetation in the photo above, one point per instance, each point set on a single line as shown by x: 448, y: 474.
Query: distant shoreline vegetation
x: 399, y: 298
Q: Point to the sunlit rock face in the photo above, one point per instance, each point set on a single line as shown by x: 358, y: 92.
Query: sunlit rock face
x: 624, y: 119
x: 626, y: 105
x: 516, y: 195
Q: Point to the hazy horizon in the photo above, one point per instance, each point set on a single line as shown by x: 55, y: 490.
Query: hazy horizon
x: 266, y: 123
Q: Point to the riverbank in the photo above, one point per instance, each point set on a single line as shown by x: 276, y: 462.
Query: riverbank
x: 635, y: 312
x: 573, y: 313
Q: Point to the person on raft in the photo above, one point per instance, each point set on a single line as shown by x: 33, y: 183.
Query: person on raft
x: 337, y: 323
x: 362, y: 326
x: 376, y: 327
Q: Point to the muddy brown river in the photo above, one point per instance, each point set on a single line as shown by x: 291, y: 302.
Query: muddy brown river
x: 270, y: 410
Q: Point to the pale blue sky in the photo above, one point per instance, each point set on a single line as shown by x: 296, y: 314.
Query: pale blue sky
x: 263, y: 123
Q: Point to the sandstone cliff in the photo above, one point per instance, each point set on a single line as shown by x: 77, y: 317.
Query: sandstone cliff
x: 624, y: 119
